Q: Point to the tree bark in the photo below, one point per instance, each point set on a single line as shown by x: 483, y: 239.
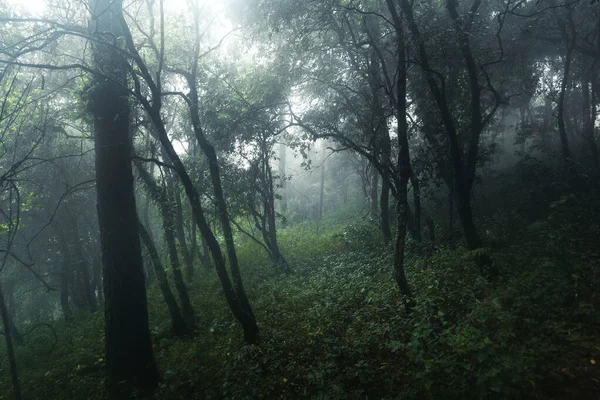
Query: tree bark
x: 463, y: 165
x: 234, y: 293
x: 278, y: 257
x: 322, y: 187
x: 177, y: 322
x: 416, y: 189
x: 245, y: 310
x: 589, y: 117
x: 129, y: 359
x: 65, y: 275
x: 374, y: 195
x: 10, y: 309
x: 282, y: 182
x: 193, y: 249
x: 179, y: 229
x: 381, y: 143
x: 81, y: 264
x: 384, y: 203
x: 12, y: 361
x: 161, y: 196
x: 404, y: 166
x: 562, y: 130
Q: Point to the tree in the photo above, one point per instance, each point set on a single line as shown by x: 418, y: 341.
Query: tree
x: 464, y: 163
x: 129, y: 359
x: 165, y: 204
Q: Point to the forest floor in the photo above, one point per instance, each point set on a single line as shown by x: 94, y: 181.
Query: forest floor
x: 336, y: 327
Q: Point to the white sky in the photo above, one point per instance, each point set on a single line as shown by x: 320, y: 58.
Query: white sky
x: 36, y: 7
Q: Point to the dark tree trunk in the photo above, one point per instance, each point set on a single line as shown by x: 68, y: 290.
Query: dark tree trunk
x: 146, y: 212
x: 12, y: 361
x: 464, y: 166
x: 160, y: 196
x: 239, y: 308
x: 271, y: 227
x: 385, y: 210
x: 179, y: 229
x: 322, y: 190
x: 193, y: 249
x: 65, y: 275
x: 431, y: 231
x: 14, y: 331
x: 177, y: 321
x: 276, y: 254
x: 374, y: 195
x: 282, y: 169
x: 186, y: 304
x: 451, y: 190
x: 234, y: 293
x: 129, y: 359
x: 381, y: 144
x: 589, y: 117
x: 463, y: 204
x: 203, y: 254
x: 245, y: 310
x: 363, y: 175
x: 404, y: 166
x: 417, y: 204
x: 594, y: 110
x: 562, y: 129
x: 81, y: 264
x: 10, y: 309
x: 386, y: 151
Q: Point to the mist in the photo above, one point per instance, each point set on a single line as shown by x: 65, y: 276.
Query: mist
x: 292, y: 199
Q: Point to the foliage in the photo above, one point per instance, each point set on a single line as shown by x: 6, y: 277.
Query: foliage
x: 335, y: 329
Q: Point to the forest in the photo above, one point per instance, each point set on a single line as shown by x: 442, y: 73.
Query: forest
x: 299, y: 199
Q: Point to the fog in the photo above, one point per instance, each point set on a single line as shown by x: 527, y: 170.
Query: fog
x: 292, y: 199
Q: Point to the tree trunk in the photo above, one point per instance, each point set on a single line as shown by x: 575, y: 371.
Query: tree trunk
x: 203, y: 254
x: 185, y: 251
x: 594, y: 110
x: 278, y: 257
x: 269, y: 207
x: 186, y: 304
x: 129, y: 359
x: 161, y: 196
x: 81, y: 264
x: 282, y: 169
x: 234, y: 293
x: 374, y: 191
x: 451, y: 190
x: 589, y: 117
x: 464, y: 166
x: 416, y: 189
x: 9, y: 300
x: 403, y: 166
x: 193, y: 249
x: 177, y: 321
x: 463, y: 204
x: 384, y: 203
x: 249, y: 324
x: 322, y: 190
x: 65, y: 275
x: 562, y: 130
x: 12, y: 361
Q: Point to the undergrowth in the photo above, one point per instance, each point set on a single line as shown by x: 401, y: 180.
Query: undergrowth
x: 336, y: 329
